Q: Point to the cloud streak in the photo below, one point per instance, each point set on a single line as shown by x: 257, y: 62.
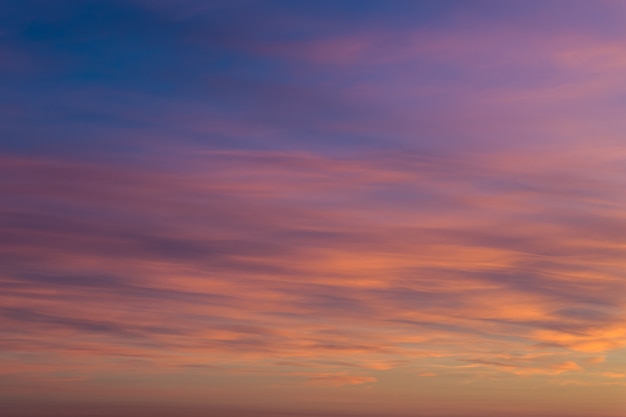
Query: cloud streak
x: 313, y: 208
x: 264, y: 255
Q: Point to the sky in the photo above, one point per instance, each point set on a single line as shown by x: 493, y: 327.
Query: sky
x: 312, y: 208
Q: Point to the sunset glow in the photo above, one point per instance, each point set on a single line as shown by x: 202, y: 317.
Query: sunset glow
x: 313, y: 208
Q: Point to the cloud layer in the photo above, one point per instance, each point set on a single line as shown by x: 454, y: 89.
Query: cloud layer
x: 312, y: 208
x: 313, y: 268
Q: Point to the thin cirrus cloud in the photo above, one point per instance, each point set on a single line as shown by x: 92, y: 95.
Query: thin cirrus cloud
x: 312, y: 209
x: 389, y: 261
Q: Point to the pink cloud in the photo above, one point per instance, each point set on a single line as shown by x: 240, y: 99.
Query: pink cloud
x: 239, y: 260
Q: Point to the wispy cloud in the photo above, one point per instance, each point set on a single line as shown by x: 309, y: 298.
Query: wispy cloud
x: 356, y: 207
x: 257, y: 255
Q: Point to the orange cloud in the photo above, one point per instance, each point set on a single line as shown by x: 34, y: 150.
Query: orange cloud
x: 340, y: 379
x: 247, y: 261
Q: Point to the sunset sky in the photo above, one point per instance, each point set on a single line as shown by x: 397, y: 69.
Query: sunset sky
x: 312, y: 208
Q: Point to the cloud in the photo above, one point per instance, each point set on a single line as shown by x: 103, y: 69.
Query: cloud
x: 230, y: 197
x: 613, y: 375
x: 240, y: 257
x: 340, y: 379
